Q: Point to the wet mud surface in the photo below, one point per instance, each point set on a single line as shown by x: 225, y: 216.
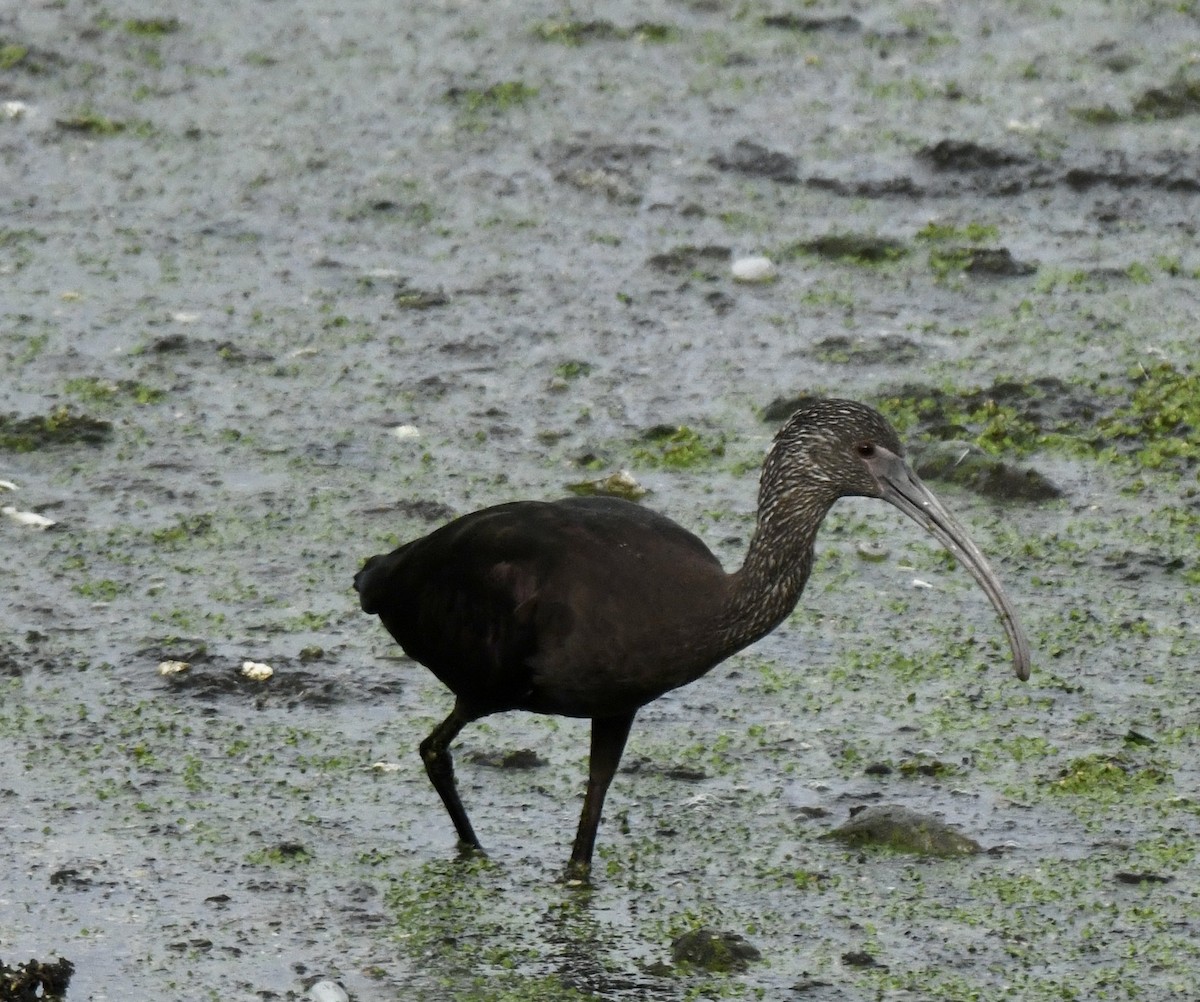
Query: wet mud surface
x: 284, y: 285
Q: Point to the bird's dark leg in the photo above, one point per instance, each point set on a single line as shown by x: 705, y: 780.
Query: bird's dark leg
x: 435, y: 753
x: 608, y: 742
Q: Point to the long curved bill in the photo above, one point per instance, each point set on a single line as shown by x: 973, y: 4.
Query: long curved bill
x: 899, y: 486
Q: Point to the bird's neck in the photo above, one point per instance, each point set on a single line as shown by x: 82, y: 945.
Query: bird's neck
x: 769, y: 583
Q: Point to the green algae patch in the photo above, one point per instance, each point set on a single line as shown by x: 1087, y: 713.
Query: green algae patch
x: 1097, y: 114
x: 1148, y: 416
x: 12, y: 55
x: 678, y: 447
x: 462, y: 923
x: 1161, y: 423
x: 576, y: 32
x: 900, y: 829
x: 92, y: 123
x: 152, y: 27
x: 935, y: 232
x: 62, y: 426
x: 500, y: 96
x: 573, y: 369
x: 1104, y: 777
x: 95, y: 391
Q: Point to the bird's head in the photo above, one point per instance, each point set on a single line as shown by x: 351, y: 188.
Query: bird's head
x: 831, y: 449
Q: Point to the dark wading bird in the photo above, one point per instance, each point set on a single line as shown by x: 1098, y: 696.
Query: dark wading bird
x: 592, y: 607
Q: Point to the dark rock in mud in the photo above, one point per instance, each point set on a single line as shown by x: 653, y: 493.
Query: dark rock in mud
x: 1126, y: 877
x: 1168, y: 170
x: 860, y: 958
x: 753, y: 160
x: 618, y: 171
x: 1114, y: 57
x: 959, y: 167
x: 782, y: 408
x: 808, y: 985
x: 1178, y: 98
x: 714, y: 951
x: 1130, y: 565
x: 994, y: 261
x: 931, y: 767
x: 709, y: 261
x: 521, y: 758
x: 236, y: 354
x: 16, y: 661
x: 813, y: 22
x: 420, y: 299
x: 863, y: 248
x: 959, y: 155
x: 889, y: 349
x: 955, y: 169
x: 684, y: 773
x: 35, y: 979
x: 425, y: 509
x: 966, y: 465
x: 169, y: 344
x: 721, y: 302
x: 285, y: 688
x: 82, y: 876
x: 13, y: 662
x: 901, y: 186
x: 902, y: 829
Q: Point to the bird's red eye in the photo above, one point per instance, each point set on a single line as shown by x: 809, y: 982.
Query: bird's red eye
x: 866, y: 449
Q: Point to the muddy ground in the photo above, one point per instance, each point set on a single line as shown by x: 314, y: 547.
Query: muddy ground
x: 242, y: 244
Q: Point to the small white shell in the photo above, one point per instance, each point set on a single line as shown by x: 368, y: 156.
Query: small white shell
x: 257, y: 671
x: 173, y: 667
x: 386, y: 766
x: 754, y: 269
x: 8, y: 485
x: 406, y: 432
x: 29, y: 519
x: 14, y: 109
x: 918, y: 583
x: 328, y: 991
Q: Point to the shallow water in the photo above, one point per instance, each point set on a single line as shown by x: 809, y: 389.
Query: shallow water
x: 247, y: 280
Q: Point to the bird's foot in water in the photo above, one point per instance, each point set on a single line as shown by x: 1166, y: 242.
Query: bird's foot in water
x: 471, y: 852
x: 578, y: 874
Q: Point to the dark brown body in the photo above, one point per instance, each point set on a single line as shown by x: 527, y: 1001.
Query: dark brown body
x: 540, y: 595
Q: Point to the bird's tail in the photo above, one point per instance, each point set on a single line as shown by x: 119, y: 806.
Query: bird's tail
x: 368, y: 583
